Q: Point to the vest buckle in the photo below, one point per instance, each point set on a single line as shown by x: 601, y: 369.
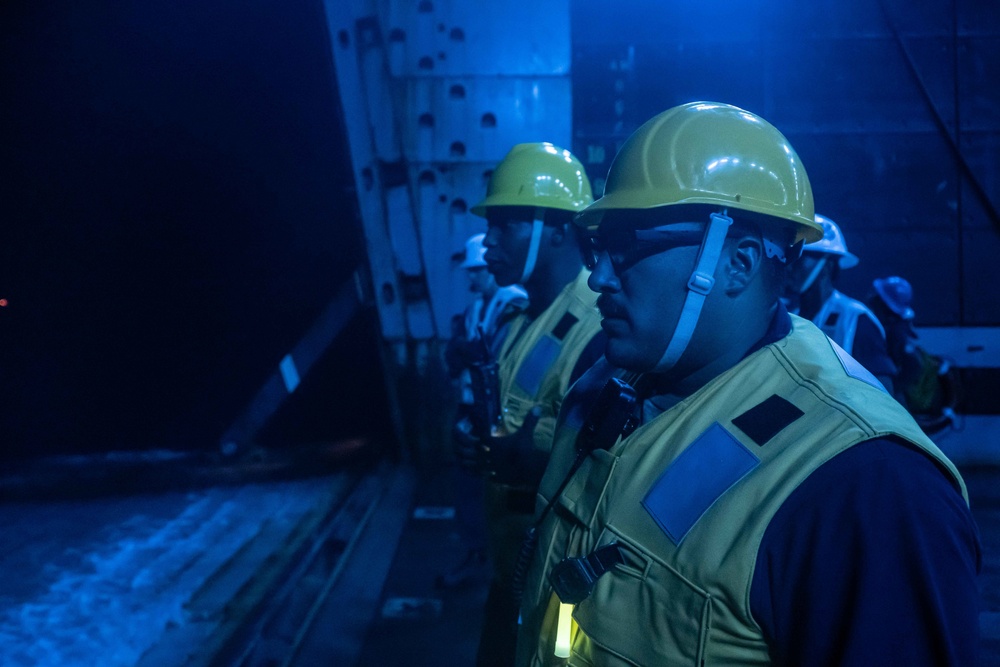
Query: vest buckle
x: 573, y: 579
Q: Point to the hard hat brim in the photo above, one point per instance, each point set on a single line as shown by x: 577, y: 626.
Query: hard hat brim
x: 848, y: 260
x: 500, y: 200
x: 590, y: 217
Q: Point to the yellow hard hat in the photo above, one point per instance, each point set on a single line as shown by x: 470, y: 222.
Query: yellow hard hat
x: 709, y: 153
x: 539, y: 175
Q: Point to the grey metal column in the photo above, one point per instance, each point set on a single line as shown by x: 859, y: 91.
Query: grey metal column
x: 434, y: 95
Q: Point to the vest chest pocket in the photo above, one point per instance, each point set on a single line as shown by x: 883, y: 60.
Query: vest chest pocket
x: 582, y: 496
x: 642, y: 613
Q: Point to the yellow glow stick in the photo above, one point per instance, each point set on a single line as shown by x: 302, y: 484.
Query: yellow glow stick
x: 563, y: 629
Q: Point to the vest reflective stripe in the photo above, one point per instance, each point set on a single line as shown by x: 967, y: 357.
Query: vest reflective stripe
x: 691, y: 598
x: 838, y: 319
x: 535, y: 365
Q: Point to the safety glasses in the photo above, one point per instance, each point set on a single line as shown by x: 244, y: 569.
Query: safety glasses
x: 627, y: 246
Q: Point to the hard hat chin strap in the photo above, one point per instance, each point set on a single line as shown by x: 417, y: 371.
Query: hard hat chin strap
x: 699, y: 286
x: 536, y: 241
x: 813, y: 275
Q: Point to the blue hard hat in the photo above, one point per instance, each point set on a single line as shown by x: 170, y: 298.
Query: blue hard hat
x: 897, y: 293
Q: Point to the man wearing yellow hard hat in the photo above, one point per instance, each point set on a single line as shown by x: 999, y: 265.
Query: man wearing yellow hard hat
x: 766, y: 502
x: 530, y: 201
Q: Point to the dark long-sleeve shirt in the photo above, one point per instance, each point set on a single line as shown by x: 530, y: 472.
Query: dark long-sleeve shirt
x: 871, y: 561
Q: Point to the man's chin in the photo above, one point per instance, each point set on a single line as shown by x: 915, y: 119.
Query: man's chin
x: 503, y: 280
x: 622, y: 355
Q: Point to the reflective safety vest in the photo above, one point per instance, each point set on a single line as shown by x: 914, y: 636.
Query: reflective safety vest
x: 486, y: 316
x: 688, y: 497
x: 580, y: 398
x: 538, y: 358
x: 485, y: 319
x: 838, y: 319
x: 535, y: 364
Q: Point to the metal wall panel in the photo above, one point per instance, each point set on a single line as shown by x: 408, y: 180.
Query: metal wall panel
x: 611, y: 95
x: 912, y: 18
x: 627, y: 85
x: 978, y: 17
x: 979, y: 144
x: 456, y: 38
x: 458, y: 119
x: 444, y: 194
x: 470, y: 82
x: 979, y: 79
x: 350, y: 75
x: 981, y: 151
x: 928, y: 259
x: 979, y: 266
x: 890, y: 182
x: 837, y: 19
x: 832, y: 88
x: 931, y: 72
x: 443, y: 84
x: 654, y: 22
x: 823, y: 19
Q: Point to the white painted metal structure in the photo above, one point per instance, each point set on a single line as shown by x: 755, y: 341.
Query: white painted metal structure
x: 434, y: 95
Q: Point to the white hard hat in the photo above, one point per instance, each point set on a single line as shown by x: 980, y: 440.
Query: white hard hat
x: 475, y: 252
x: 832, y: 243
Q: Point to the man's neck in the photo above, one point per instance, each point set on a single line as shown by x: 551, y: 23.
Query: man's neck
x: 813, y: 299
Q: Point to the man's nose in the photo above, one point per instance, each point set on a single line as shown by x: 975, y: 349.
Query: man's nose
x: 490, y: 240
x: 603, y: 278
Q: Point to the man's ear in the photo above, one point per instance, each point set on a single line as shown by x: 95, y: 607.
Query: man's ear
x: 558, y: 236
x: 744, y: 259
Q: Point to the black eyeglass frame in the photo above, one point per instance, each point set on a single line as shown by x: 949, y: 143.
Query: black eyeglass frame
x: 626, y: 246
